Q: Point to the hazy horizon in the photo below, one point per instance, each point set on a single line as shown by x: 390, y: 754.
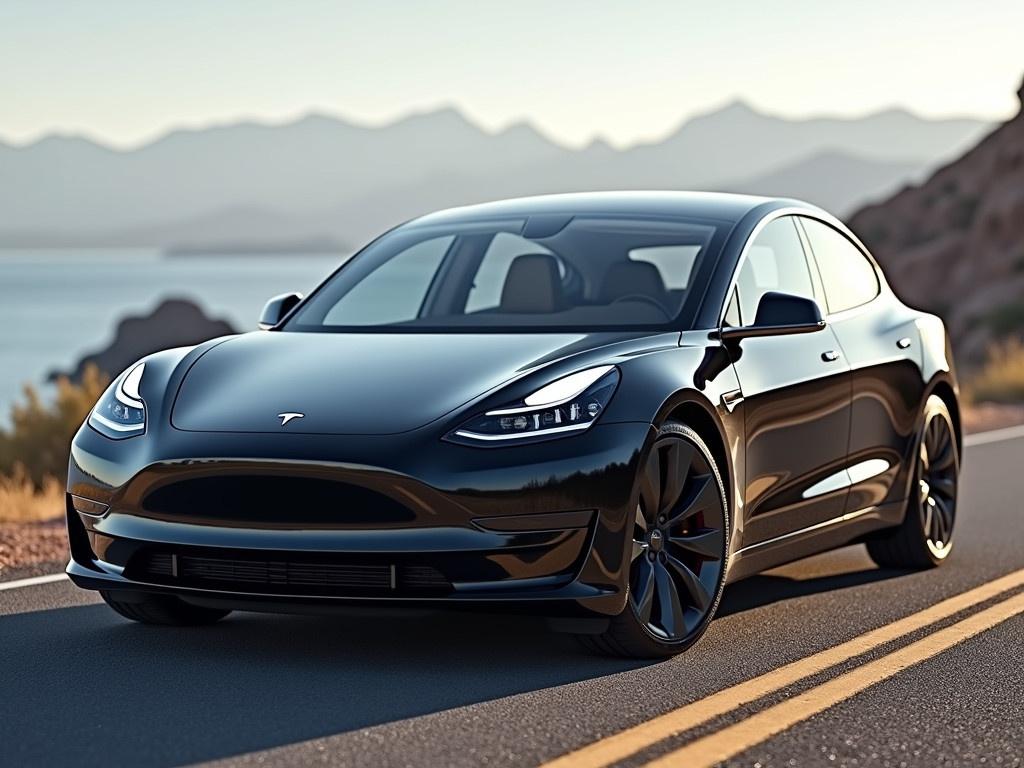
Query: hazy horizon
x: 442, y: 107
x: 123, y: 74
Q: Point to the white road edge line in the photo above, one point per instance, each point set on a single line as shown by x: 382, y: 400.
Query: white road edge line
x: 994, y: 435
x: 978, y: 438
x: 49, y: 578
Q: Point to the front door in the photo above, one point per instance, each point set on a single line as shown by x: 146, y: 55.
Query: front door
x: 796, y: 398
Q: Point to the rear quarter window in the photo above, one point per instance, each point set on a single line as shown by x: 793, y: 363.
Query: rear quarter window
x: 847, y: 275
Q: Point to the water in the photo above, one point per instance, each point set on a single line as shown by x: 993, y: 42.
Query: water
x: 56, y: 305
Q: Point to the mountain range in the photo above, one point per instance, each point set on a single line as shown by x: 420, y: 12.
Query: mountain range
x: 321, y: 179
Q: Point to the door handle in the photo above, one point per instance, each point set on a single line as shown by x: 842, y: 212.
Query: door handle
x: 830, y: 356
x: 903, y: 343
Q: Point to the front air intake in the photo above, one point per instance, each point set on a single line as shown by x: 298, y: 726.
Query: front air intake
x: 289, y: 574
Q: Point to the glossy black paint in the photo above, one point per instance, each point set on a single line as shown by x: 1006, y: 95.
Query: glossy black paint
x: 355, y: 384
x: 797, y: 426
x: 364, y: 480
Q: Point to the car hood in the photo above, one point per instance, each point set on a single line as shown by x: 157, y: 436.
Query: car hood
x: 375, y: 383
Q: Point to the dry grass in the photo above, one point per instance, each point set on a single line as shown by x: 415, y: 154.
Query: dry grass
x: 22, y: 502
x: 41, y: 428
x: 1001, y: 379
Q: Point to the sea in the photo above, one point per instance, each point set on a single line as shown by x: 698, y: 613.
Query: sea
x: 57, y: 305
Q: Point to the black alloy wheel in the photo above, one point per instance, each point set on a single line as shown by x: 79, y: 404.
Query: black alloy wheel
x: 678, y: 540
x: 678, y: 552
x: 925, y: 537
x: 937, y: 484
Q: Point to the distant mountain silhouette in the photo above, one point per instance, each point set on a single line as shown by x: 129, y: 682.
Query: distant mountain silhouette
x: 834, y: 180
x: 321, y: 177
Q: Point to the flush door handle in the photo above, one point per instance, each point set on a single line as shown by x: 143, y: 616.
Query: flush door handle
x: 903, y: 343
x: 830, y: 356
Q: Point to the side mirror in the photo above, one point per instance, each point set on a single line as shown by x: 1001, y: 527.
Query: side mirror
x: 275, y: 310
x: 781, y: 314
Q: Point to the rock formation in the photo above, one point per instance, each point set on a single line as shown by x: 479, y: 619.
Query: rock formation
x: 955, y: 244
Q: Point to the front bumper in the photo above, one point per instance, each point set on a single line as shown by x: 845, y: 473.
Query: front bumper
x: 281, y: 520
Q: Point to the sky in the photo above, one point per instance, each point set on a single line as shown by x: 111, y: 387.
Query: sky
x: 126, y: 71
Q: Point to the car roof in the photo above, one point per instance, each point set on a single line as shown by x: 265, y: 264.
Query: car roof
x: 705, y: 205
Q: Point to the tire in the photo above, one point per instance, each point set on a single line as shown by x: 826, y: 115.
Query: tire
x: 925, y: 538
x: 165, y: 610
x: 693, y: 532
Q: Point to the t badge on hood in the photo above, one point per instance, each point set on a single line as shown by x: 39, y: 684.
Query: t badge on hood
x: 286, y: 417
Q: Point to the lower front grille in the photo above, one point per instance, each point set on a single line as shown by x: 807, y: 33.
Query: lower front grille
x: 284, y: 575
x: 274, y: 501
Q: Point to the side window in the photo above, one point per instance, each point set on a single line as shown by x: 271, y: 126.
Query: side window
x: 775, y: 261
x: 383, y: 296
x: 848, y: 277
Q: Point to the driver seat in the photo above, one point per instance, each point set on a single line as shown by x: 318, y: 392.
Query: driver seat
x: 626, y: 278
x: 532, y: 286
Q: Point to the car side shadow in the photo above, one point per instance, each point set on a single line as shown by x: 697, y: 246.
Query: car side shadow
x: 768, y: 588
x: 126, y: 694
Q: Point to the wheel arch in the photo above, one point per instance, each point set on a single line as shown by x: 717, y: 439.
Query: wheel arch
x: 944, y: 389
x: 693, y: 409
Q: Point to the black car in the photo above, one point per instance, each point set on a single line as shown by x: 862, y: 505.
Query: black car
x: 599, y: 408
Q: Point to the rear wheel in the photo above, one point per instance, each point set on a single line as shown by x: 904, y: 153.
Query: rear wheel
x: 163, y: 609
x: 679, y: 550
x: 925, y: 538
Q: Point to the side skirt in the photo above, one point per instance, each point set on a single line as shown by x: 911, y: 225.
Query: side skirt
x: 813, y: 540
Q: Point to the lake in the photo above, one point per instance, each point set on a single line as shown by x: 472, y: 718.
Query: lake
x: 56, y: 305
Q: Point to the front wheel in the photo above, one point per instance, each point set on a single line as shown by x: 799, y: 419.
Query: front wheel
x: 925, y: 538
x: 678, y: 550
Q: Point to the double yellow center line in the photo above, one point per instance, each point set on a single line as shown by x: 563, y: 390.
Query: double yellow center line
x: 734, y: 739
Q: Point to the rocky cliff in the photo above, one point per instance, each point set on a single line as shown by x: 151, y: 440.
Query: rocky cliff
x: 954, y: 245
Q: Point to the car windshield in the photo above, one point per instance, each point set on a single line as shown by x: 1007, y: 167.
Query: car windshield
x: 538, y: 273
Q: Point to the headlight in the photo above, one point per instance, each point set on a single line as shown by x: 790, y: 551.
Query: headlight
x: 120, y: 412
x: 567, y: 406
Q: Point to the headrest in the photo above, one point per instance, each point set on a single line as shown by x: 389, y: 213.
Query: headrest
x: 532, y: 285
x: 633, y: 277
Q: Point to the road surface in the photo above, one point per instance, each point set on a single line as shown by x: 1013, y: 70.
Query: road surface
x: 829, y: 661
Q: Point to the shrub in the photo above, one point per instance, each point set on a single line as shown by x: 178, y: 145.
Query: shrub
x: 1006, y: 319
x: 1001, y: 379
x: 22, y: 502
x: 39, y: 438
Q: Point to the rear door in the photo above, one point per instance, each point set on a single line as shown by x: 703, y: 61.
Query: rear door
x: 796, y: 392
x: 879, y: 338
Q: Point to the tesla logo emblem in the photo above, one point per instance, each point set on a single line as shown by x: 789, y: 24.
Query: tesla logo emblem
x: 286, y: 417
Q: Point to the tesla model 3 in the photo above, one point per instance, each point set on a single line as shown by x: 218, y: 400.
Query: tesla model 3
x: 599, y: 408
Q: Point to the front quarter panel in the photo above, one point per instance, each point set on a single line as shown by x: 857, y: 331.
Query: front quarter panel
x: 693, y: 380
x: 104, y: 468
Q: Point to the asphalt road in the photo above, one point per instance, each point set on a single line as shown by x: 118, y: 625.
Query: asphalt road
x: 80, y: 686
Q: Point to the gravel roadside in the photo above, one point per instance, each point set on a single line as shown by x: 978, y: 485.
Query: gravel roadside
x: 30, y: 549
